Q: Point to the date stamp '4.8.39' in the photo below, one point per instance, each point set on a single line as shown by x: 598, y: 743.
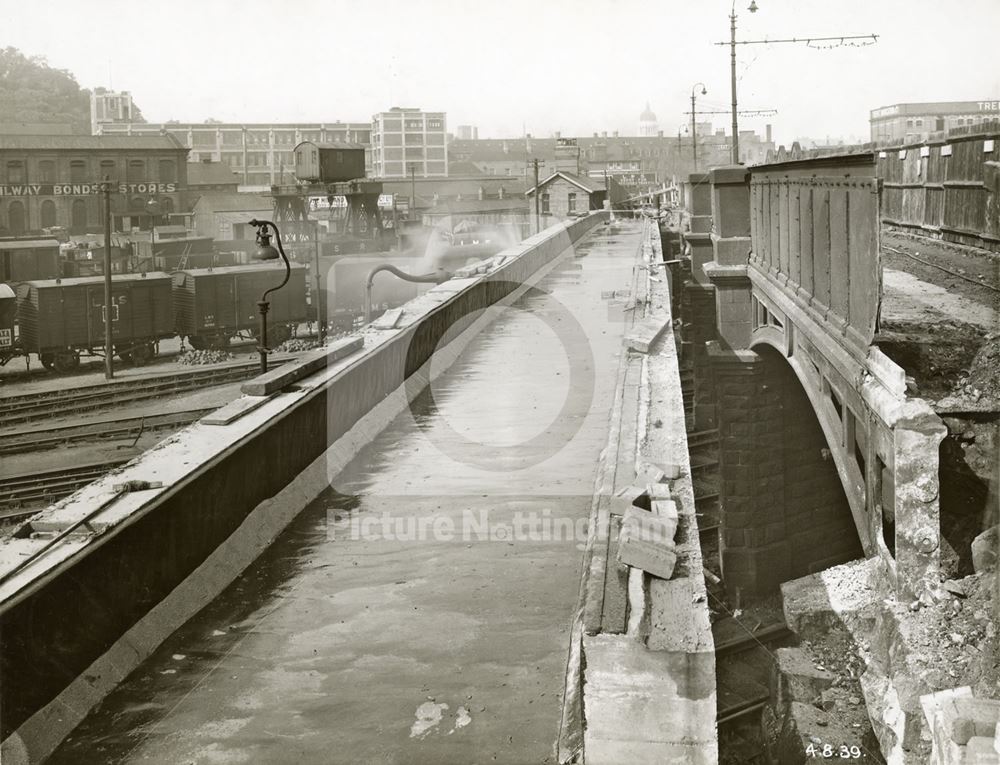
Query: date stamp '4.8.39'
x: 834, y: 751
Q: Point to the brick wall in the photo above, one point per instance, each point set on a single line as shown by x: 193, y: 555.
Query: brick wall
x: 784, y: 511
x: 698, y: 319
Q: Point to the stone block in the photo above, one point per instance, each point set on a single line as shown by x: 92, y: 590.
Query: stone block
x: 981, y: 751
x: 986, y: 550
x: 796, y: 677
x: 647, y: 542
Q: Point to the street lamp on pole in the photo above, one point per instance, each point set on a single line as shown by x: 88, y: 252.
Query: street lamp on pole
x: 153, y: 208
x: 694, y: 134
x: 732, y: 51
x: 267, y: 252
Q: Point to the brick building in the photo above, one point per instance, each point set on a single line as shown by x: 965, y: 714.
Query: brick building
x: 55, y: 181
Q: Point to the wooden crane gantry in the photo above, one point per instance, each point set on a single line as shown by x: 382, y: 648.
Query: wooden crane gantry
x: 361, y: 219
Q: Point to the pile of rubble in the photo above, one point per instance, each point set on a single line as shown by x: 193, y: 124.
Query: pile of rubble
x: 952, y: 636
x: 201, y: 358
x: 298, y: 344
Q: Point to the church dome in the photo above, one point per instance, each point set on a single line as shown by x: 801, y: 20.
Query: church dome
x: 648, y: 115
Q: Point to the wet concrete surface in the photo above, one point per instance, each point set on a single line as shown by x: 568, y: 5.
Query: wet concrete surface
x: 419, y: 610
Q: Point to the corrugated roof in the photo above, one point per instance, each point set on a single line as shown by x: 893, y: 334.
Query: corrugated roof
x: 206, y: 173
x: 228, y: 201
x: 90, y: 142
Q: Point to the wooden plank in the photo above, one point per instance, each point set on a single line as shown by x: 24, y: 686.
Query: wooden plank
x: 276, y: 379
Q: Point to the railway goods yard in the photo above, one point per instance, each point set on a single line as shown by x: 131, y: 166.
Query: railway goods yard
x: 619, y: 468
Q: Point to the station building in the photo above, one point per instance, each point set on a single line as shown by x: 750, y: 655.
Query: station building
x: 51, y: 181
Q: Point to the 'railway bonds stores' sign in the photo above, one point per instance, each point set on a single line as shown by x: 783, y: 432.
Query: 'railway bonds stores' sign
x: 81, y: 189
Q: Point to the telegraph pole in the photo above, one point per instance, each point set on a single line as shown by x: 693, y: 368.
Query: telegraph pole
x: 109, y: 371
x: 732, y: 60
x: 732, y: 72
x: 538, y: 218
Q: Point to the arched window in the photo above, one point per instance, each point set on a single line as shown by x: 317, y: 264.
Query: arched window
x: 78, y: 171
x: 47, y: 171
x: 108, y: 169
x: 136, y: 170
x: 15, y: 218
x: 78, y: 217
x: 166, y: 206
x: 48, y: 214
x: 168, y: 171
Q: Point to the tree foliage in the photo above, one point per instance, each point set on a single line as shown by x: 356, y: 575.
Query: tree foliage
x: 32, y: 91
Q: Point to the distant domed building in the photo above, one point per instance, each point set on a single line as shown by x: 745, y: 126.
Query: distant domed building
x: 647, y: 122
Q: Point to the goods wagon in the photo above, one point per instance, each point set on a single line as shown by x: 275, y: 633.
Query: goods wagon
x: 23, y: 260
x: 59, y: 318
x: 212, y: 305
x: 8, y: 312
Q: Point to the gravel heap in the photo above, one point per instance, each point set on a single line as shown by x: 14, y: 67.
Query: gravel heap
x: 200, y: 358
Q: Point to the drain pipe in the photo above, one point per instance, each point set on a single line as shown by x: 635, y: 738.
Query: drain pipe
x: 435, y: 277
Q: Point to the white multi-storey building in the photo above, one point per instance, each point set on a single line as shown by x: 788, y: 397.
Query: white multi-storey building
x: 408, y: 142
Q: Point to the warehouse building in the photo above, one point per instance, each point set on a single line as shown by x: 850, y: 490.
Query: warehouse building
x: 49, y: 181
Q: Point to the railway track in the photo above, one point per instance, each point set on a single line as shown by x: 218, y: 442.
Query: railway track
x: 19, y: 491
x: 38, y: 439
x: 34, y: 406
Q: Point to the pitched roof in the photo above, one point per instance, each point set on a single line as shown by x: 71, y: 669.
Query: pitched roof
x: 590, y: 185
x: 209, y: 173
x: 227, y: 201
x: 91, y: 142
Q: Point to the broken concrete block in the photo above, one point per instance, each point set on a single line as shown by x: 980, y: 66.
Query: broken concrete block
x: 665, y: 508
x: 980, y: 751
x: 646, y: 542
x: 986, y: 550
x: 653, y: 526
x: 797, y: 678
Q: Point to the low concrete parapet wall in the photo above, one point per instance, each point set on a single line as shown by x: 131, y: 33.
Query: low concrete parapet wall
x: 78, y: 620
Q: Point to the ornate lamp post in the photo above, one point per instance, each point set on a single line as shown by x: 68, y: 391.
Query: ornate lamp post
x: 694, y: 134
x: 267, y: 252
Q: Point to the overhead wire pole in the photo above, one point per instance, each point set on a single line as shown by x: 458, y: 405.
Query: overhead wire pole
x: 109, y: 370
x: 733, y: 42
x: 538, y: 216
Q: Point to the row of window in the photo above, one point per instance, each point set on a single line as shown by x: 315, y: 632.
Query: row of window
x: 81, y: 171
x: 17, y: 223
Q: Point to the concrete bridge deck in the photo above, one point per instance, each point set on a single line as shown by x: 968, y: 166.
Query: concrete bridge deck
x: 419, y: 610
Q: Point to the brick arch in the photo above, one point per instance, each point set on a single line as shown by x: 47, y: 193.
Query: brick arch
x: 785, y: 512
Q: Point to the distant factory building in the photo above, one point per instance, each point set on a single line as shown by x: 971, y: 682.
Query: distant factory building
x: 913, y: 122
x: 408, y: 142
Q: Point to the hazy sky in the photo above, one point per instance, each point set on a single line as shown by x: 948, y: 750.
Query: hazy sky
x: 577, y: 66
